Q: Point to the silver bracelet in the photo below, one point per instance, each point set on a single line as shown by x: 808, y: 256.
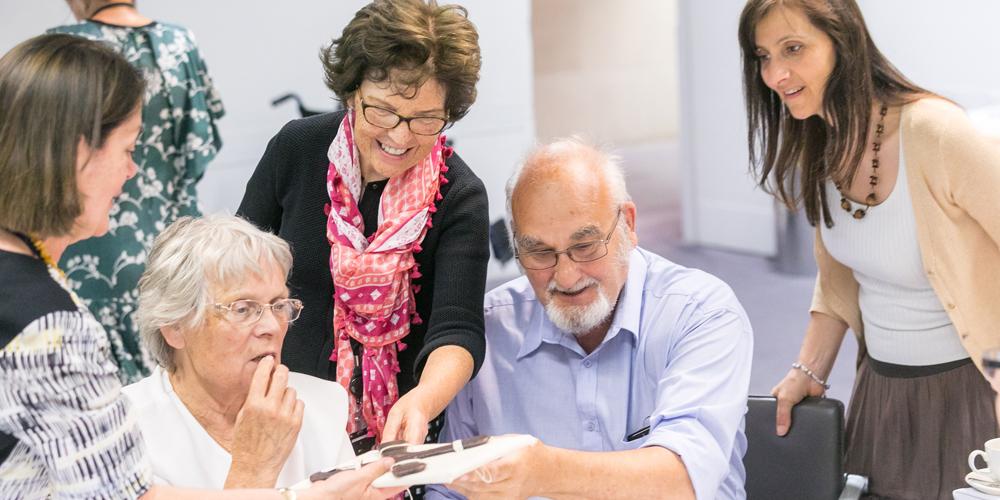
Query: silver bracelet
x: 288, y: 494
x: 807, y: 371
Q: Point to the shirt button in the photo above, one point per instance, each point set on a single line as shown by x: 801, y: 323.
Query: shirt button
x: 587, y: 363
x: 589, y: 427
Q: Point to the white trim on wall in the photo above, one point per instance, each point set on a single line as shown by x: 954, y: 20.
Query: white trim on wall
x: 721, y: 204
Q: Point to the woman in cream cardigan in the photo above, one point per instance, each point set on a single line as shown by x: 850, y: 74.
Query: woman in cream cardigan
x: 902, y: 190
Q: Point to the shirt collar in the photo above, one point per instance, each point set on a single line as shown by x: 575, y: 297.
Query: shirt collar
x: 626, y: 315
x: 629, y: 310
x: 539, y: 327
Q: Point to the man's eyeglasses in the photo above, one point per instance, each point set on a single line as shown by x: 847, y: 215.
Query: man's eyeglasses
x: 248, y: 312
x: 384, y: 118
x: 581, y: 252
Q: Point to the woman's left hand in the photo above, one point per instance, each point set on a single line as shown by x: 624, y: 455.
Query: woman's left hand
x: 408, y: 418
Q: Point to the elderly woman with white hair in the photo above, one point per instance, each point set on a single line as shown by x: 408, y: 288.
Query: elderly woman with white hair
x: 221, y: 410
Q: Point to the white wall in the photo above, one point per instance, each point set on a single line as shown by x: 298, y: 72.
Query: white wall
x: 605, y: 72
x: 948, y: 47
x: 720, y: 206
x: 22, y: 20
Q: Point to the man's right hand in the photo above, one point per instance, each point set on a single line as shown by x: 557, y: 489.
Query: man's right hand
x: 792, y: 389
x: 266, y: 428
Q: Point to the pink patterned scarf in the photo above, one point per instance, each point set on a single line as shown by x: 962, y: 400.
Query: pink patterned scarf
x: 373, y: 300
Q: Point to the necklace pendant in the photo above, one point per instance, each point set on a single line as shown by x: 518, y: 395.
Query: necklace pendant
x: 859, y: 213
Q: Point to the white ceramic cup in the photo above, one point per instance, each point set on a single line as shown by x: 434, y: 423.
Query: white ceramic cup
x: 992, y: 457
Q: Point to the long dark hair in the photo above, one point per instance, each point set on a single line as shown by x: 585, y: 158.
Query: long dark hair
x: 804, y: 154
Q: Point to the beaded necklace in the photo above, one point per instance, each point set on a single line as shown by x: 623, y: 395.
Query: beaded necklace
x: 39, y: 248
x: 873, y: 178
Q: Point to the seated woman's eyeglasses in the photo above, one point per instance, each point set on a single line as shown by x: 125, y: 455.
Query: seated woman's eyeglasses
x: 581, y: 252
x: 384, y: 118
x: 248, y: 312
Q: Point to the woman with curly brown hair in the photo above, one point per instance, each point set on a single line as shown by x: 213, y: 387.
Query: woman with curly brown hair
x: 908, y: 253
x: 388, y: 228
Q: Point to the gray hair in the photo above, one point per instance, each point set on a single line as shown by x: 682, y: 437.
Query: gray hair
x: 559, y: 151
x: 189, y: 261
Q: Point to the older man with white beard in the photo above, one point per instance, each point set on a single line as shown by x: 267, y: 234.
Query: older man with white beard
x: 631, y: 370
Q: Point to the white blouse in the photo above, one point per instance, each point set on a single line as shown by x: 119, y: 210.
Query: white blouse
x: 184, y: 454
x: 904, y: 320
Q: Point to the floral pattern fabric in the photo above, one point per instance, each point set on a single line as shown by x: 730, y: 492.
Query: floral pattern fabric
x: 178, y: 139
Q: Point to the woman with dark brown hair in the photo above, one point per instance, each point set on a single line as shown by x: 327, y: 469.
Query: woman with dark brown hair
x: 388, y: 228
x: 908, y: 256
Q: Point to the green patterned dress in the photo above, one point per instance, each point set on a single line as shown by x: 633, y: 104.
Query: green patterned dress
x: 178, y: 139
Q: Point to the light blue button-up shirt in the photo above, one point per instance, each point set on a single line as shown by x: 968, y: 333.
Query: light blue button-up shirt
x: 676, y: 357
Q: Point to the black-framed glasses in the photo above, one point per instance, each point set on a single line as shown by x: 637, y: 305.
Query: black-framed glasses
x: 587, y: 251
x: 248, y: 312
x: 388, y: 119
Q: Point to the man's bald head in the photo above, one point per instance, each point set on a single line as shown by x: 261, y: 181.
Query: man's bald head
x: 565, y: 170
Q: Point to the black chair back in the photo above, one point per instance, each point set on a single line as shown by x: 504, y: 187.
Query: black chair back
x: 804, y: 464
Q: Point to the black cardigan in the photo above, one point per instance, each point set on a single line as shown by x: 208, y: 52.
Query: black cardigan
x: 286, y: 195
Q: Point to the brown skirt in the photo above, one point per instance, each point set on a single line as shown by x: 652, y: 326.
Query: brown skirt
x: 910, y: 429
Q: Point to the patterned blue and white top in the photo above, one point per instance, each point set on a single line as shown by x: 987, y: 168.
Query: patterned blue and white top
x: 66, y: 430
